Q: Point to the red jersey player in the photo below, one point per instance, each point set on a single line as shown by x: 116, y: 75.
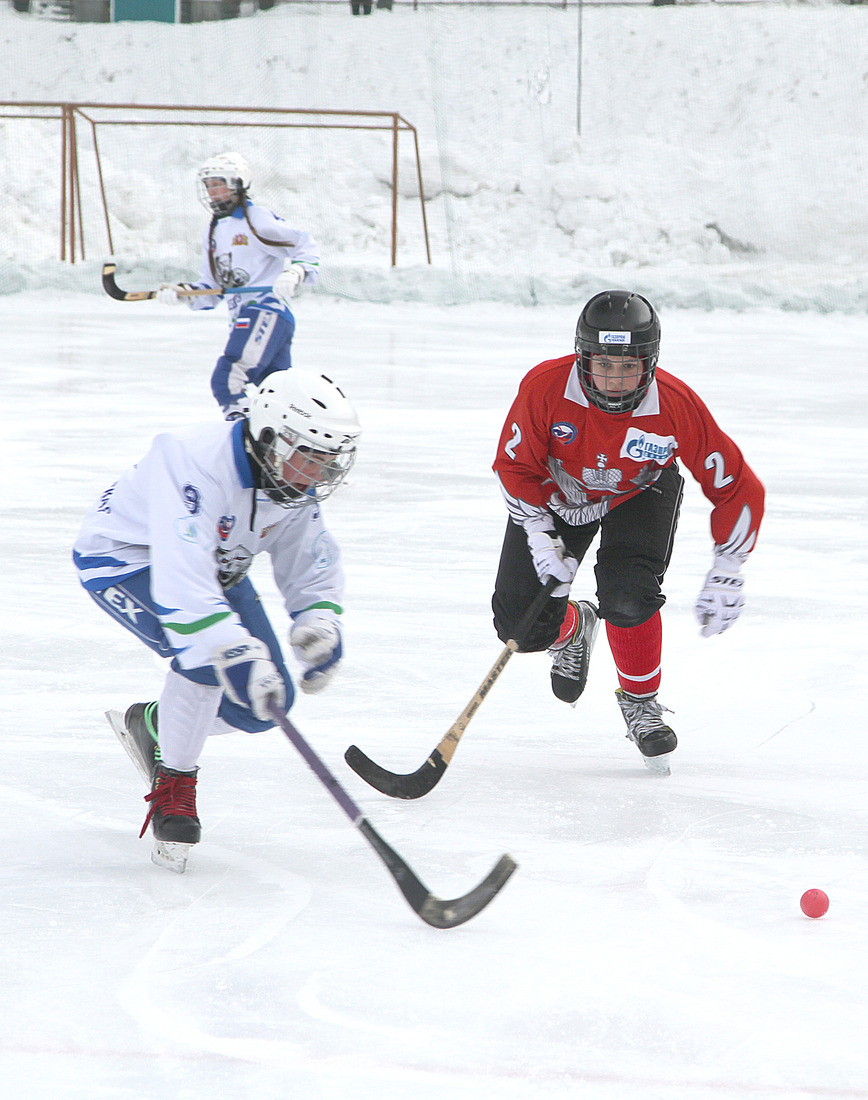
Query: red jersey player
x: 592, y: 444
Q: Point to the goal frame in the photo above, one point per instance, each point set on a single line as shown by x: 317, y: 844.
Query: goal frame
x: 96, y: 115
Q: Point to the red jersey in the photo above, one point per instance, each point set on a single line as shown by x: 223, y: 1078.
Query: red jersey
x: 559, y: 453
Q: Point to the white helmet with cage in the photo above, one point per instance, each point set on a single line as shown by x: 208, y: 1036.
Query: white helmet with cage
x: 230, y: 176
x: 301, y: 435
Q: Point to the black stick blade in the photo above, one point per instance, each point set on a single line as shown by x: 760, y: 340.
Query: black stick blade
x: 413, y: 785
x: 435, y: 911
x: 114, y: 291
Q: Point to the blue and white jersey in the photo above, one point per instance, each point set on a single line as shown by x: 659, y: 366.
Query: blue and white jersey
x: 189, y: 512
x: 240, y: 259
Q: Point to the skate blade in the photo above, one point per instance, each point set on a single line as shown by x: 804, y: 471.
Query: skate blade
x: 116, y: 721
x: 171, y: 854
x: 658, y: 765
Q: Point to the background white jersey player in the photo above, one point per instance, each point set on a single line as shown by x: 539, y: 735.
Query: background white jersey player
x: 247, y: 245
x: 592, y: 444
x: 165, y: 552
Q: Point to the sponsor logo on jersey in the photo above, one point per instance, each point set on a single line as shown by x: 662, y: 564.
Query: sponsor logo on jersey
x: 323, y: 552
x: 261, y: 328
x: 187, y: 529
x: 192, y: 499
x: 224, y: 527
x: 240, y: 238
x: 265, y: 530
x: 645, y: 446
x: 564, y: 432
x: 615, y: 337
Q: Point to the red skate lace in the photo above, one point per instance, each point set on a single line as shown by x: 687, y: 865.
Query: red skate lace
x: 174, y: 796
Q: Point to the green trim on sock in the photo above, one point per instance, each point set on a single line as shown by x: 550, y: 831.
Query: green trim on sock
x: 323, y: 604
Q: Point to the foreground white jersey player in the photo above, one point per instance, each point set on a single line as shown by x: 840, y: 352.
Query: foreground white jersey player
x: 165, y: 551
x: 246, y: 245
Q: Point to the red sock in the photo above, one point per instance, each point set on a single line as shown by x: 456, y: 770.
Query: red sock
x: 568, y: 626
x: 637, y: 651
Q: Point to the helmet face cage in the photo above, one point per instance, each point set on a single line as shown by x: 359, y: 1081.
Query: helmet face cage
x: 617, y: 325
x: 228, y: 168
x: 615, y: 402
x: 296, y: 471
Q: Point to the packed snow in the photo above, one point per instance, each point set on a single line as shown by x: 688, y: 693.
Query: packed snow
x: 650, y: 944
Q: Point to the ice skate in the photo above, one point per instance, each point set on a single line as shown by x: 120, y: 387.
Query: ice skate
x: 571, y: 653
x: 645, y: 725
x: 172, y: 817
x: 137, y: 732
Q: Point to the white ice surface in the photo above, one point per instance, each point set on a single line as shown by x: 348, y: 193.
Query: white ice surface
x: 650, y: 944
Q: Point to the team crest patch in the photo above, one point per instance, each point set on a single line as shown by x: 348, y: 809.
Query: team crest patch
x: 224, y: 527
x: 564, y: 432
x: 240, y: 238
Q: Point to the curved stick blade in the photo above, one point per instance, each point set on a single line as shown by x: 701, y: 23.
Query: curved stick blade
x: 433, y: 910
x: 412, y: 785
x: 449, y: 914
x: 111, y: 287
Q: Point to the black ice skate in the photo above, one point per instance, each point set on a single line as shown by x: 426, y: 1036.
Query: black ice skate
x: 172, y: 816
x: 647, y: 729
x: 137, y: 732
x: 571, y: 653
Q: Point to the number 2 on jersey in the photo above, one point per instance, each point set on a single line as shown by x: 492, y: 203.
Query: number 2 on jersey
x: 514, y: 441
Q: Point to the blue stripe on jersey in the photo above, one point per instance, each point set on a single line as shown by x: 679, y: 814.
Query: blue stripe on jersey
x: 242, y: 461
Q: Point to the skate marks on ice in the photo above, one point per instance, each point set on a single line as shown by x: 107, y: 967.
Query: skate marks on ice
x: 810, y: 710
x: 204, y: 932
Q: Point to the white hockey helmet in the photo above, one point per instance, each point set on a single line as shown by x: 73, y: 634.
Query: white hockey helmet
x: 234, y: 171
x: 301, y: 435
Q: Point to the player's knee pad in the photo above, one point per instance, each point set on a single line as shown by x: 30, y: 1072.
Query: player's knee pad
x: 628, y: 591
x: 542, y: 633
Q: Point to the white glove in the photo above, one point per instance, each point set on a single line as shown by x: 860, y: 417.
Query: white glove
x: 315, y: 638
x: 169, y: 294
x: 721, y: 600
x: 550, y: 559
x: 249, y: 677
x: 287, y: 282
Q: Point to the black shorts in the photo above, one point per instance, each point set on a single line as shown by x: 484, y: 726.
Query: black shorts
x: 636, y: 541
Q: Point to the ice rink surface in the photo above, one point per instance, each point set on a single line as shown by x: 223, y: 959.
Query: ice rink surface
x: 651, y: 943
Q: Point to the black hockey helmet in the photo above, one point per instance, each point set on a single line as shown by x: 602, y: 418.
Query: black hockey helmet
x: 617, y: 323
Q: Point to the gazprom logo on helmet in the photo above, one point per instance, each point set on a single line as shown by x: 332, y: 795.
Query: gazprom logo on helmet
x: 564, y: 432
x: 615, y: 337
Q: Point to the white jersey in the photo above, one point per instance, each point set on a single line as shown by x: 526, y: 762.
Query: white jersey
x: 241, y: 259
x: 190, y: 513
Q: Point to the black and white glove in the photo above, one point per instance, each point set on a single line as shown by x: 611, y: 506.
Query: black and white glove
x: 721, y: 599
x: 315, y: 638
x: 288, y: 281
x: 169, y: 294
x: 550, y: 559
x: 249, y: 677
